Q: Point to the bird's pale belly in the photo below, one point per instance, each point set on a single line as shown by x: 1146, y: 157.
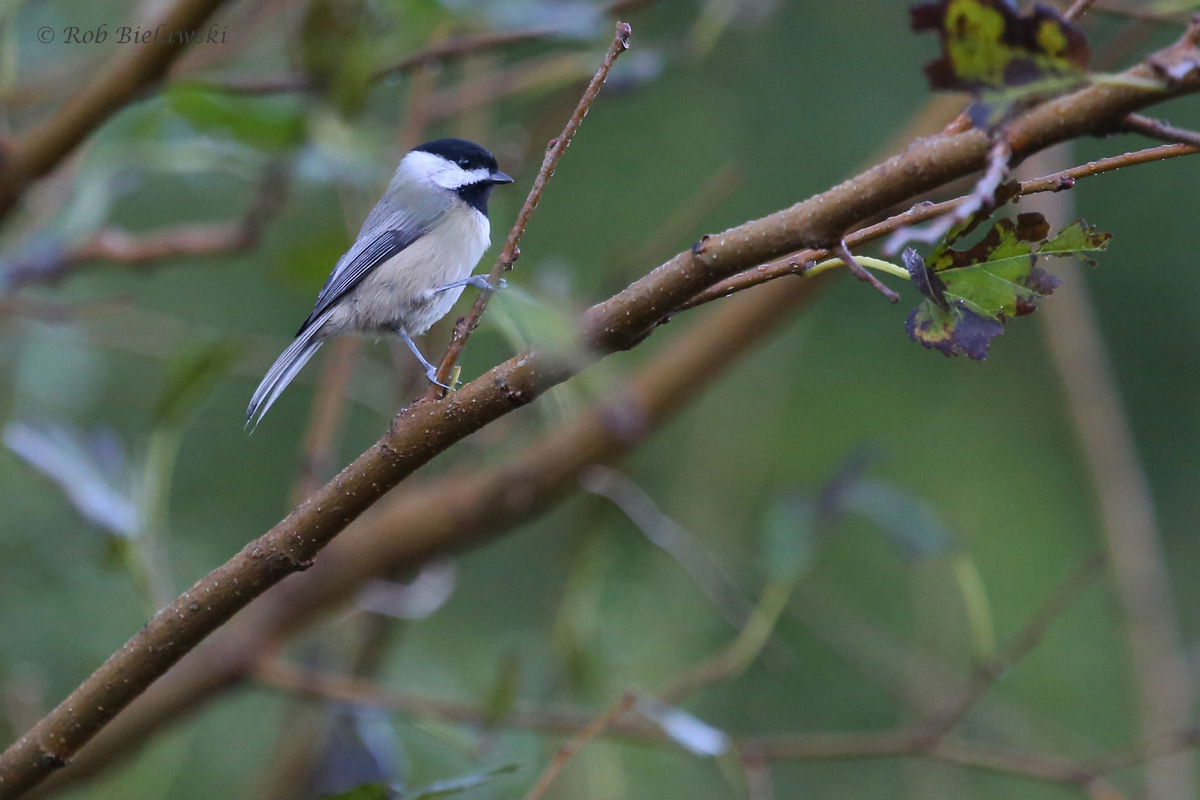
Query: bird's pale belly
x: 400, y: 291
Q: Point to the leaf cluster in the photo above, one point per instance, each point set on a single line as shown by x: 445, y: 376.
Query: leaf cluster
x: 970, y: 293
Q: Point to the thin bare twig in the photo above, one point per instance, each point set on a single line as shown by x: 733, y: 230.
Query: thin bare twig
x: 580, y: 741
x: 511, y: 251
x: 859, y: 271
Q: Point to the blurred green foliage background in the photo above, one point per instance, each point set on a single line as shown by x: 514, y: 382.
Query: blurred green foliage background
x: 791, y: 97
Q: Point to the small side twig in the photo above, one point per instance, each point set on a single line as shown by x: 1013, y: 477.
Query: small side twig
x: 860, y: 272
x: 983, y: 198
x: 580, y: 741
x: 512, y: 251
x: 1164, y: 131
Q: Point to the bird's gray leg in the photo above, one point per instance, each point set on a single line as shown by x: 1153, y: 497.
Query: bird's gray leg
x: 480, y: 282
x: 430, y: 369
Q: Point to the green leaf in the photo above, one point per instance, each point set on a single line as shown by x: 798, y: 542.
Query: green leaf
x: 268, y: 123
x: 970, y: 293
x: 1076, y: 239
x: 368, y: 791
x: 454, y: 786
x: 191, y: 376
x: 1007, y: 60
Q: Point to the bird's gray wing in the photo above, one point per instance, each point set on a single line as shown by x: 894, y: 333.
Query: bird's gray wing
x: 393, y: 225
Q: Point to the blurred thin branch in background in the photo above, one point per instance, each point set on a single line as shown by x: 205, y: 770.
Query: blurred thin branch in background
x: 923, y: 740
x: 434, y: 54
x: 145, y: 250
x: 1165, y: 685
x: 578, y: 742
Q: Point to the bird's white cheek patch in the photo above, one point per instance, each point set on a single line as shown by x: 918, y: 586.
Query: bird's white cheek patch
x: 454, y: 178
x: 442, y: 172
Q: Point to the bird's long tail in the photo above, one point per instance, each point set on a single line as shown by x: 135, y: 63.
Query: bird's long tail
x: 286, y: 367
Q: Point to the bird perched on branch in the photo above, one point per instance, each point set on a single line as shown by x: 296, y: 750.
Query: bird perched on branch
x: 412, y: 258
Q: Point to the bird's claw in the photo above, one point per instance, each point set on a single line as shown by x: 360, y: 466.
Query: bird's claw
x: 431, y: 374
x: 481, y: 283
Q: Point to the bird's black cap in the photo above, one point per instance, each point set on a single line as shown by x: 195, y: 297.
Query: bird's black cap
x: 467, y: 155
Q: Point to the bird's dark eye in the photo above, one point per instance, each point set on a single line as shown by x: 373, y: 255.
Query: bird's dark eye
x: 463, y: 162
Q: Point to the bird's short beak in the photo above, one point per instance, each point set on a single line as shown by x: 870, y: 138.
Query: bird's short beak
x: 499, y: 177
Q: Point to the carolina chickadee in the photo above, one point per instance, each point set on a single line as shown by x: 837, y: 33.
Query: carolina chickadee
x: 410, y: 262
